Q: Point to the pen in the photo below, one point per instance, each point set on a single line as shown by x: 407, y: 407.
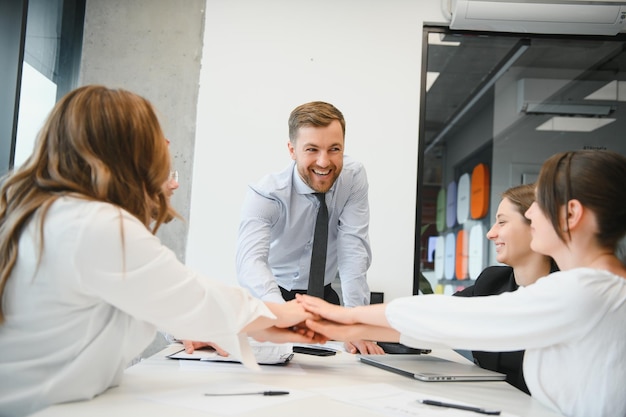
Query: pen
x: 248, y: 393
x: 461, y: 407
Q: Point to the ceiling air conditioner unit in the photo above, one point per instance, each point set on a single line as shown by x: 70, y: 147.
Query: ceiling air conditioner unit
x: 574, y: 17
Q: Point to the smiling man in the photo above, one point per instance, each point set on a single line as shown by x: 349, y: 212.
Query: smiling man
x: 278, y: 218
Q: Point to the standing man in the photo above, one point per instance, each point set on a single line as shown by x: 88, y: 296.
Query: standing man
x: 278, y: 220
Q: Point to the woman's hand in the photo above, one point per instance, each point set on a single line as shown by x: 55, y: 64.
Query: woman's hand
x: 356, y: 326
x: 364, y: 347
x: 190, y: 346
x: 370, y: 314
x: 325, y: 309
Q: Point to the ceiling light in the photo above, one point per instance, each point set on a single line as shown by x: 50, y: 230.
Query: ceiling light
x: 431, y: 77
x: 515, y: 52
x: 569, y: 109
x: 437, y: 39
x: 574, y: 124
x: 615, y: 90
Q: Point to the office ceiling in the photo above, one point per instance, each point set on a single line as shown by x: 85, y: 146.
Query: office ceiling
x: 465, y: 68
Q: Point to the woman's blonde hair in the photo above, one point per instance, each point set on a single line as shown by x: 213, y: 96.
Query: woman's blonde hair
x: 99, y: 144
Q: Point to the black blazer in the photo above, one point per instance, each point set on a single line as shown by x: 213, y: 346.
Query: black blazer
x: 496, y: 280
x: 492, y: 281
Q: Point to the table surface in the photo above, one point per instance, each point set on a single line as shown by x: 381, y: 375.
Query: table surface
x: 335, y: 385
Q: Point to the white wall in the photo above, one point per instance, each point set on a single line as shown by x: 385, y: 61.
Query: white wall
x: 263, y: 58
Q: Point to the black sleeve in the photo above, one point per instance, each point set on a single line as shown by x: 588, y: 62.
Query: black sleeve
x: 491, y: 281
x: 467, y: 291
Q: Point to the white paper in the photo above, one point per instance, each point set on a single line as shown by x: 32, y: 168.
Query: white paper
x: 226, y: 405
x: 394, y: 402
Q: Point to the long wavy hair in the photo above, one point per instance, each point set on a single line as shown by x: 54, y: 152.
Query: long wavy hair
x: 99, y: 144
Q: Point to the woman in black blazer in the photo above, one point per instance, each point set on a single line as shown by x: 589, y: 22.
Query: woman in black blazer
x: 511, y: 235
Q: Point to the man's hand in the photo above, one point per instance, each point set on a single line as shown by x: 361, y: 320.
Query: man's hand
x: 324, y: 309
x: 289, y: 314
x: 348, y: 333
x: 364, y: 347
x: 295, y: 334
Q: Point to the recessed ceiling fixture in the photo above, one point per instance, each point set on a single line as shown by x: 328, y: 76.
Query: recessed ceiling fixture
x: 615, y: 90
x: 569, y: 109
x: 431, y: 77
x: 574, y: 124
x: 515, y: 52
x: 438, y: 39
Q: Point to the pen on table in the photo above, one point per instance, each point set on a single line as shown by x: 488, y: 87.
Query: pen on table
x: 461, y: 407
x: 208, y: 394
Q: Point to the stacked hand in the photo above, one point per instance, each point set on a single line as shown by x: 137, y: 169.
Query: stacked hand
x: 356, y: 326
x: 312, y: 320
x: 289, y: 326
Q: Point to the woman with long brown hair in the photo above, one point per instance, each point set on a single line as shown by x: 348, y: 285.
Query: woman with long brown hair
x: 84, y: 282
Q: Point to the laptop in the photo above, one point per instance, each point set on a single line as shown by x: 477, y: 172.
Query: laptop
x: 431, y: 369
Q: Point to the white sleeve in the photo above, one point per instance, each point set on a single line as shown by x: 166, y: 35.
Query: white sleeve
x: 253, y: 247
x: 555, y: 309
x: 121, y: 262
x: 354, y: 254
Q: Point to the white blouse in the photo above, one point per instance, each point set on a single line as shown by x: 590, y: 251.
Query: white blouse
x: 103, y: 285
x: 571, y: 323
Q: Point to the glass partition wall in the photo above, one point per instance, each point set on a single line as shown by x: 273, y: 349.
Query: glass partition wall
x: 494, y: 107
x: 41, y: 61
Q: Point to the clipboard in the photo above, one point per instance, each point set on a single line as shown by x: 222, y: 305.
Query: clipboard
x: 265, y: 354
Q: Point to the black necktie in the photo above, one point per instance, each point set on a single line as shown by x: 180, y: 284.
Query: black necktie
x: 318, y: 256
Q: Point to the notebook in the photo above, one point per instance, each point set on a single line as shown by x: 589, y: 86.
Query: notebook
x: 430, y: 368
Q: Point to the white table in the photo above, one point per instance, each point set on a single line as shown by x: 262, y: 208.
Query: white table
x: 165, y: 387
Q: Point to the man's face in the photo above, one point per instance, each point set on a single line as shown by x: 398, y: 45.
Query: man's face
x: 318, y: 152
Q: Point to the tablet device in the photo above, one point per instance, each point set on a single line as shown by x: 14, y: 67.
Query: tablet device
x: 461, y: 255
x: 451, y: 204
x: 398, y: 348
x: 449, y: 252
x: 479, y: 194
x: 463, y: 199
x: 431, y: 369
x: 440, y: 221
x: 315, y: 351
x: 440, y: 255
x: 476, y: 250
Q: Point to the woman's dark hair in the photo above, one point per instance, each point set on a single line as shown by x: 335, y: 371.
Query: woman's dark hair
x: 593, y: 177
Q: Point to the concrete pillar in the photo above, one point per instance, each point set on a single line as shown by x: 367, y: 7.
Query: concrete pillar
x: 152, y: 48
